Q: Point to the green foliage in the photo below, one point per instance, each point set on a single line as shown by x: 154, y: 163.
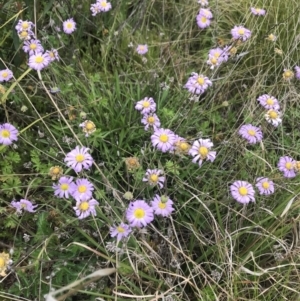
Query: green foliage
x: 211, y: 248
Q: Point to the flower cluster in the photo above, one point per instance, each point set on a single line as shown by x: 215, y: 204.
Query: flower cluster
x: 204, y: 18
x: 100, y: 6
x: 216, y: 56
x: 270, y: 103
x: 139, y: 213
x: 80, y: 189
x: 38, y: 57
x: 24, y: 29
x: 243, y: 192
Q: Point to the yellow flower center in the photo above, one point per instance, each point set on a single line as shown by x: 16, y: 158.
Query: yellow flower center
x: 24, y: 34
x: 2, y: 263
x: 243, y: 191
x: 69, y: 25
x: 90, y: 126
x: 271, y: 37
x: 213, y: 60
x: 273, y: 114
x: 120, y: 229
x: 82, y: 188
x: 51, y: 54
x: 4, y: 74
x: 265, y: 185
x: 162, y: 205
x: 251, y: 132
x: 55, y: 170
x: 25, y: 25
x: 146, y: 104
x: 241, y: 31
x: 163, y: 138
x: 151, y: 119
x: 257, y: 10
x: 200, y: 80
x: 139, y: 213
x: 64, y: 187
x: 288, y: 74
x: 270, y: 101
x: 154, y: 178
x: 39, y: 59
x: 84, y: 206
x: 79, y: 158
x: 103, y: 3
x: 203, y: 19
x: 217, y: 55
x: 5, y: 133
x: 288, y: 165
x: 203, y: 151
x: 32, y: 46
x: 184, y: 146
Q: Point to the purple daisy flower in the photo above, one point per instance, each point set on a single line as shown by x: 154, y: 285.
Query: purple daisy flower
x: 5, y: 75
x: 95, y: 9
x: 24, y: 26
x: 69, y: 26
x: 139, y: 214
x: 8, y: 134
x: 104, y: 5
x: 258, y: 11
x: 251, y: 133
x: 26, y: 35
x: 63, y: 188
x: 219, y: 53
x: 264, y: 185
x: 242, y: 192
x: 150, y: 120
x: 33, y: 46
x: 38, y: 61
x: 52, y: 55
x: 85, y: 208
x: 205, y: 13
x: 121, y: 231
x: 142, y: 49
x: 273, y: 117
x: 287, y: 165
x: 297, y: 72
x: 240, y: 33
x: 82, y: 189
x: 153, y: 177
x: 197, y: 84
x: 162, y: 205
x: 269, y: 102
x: 217, y: 56
x: 200, y: 150
x: 202, y: 21
x: 203, y: 2
x: 163, y: 139
x: 79, y: 159
x: 23, y: 205
x: 146, y: 105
